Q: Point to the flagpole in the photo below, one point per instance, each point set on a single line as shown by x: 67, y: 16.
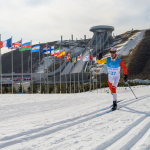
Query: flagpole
x: 54, y: 73
x: 100, y: 70
x: 96, y: 67
x: 40, y: 68
x: 1, y: 63
x: 73, y: 66
x: 103, y: 47
x: 82, y: 73
x: 44, y: 69
x: 12, y: 65
x: 74, y: 73
x: 78, y: 76
x: 90, y: 76
x: 65, y: 72
x: 70, y: 66
x: 31, y: 68
x: 93, y: 73
x: 60, y: 64
x: 47, y: 70
x: 22, y: 64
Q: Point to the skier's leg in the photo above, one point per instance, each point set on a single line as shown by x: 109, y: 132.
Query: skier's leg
x: 110, y: 86
x: 114, y: 87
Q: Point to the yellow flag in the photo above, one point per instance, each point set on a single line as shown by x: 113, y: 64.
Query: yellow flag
x: 62, y: 54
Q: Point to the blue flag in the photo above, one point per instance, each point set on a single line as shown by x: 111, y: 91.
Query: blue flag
x: 35, y: 49
x: 44, y: 50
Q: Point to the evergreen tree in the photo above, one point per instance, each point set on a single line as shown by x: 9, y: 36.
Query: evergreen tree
x: 29, y: 89
x: 43, y: 89
x: 63, y: 88
x: 5, y: 89
x: 51, y: 88
x: 58, y: 88
x: 35, y: 88
x: 14, y: 90
x: 20, y: 89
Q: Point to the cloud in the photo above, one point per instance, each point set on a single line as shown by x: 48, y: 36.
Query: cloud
x: 47, y: 20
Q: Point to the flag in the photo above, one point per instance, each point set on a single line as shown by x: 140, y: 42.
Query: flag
x: 94, y: 59
x: 16, y: 45
x: 6, y: 43
x: 76, y: 58
x: 62, y: 54
x: 71, y: 60
x: 56, y: 51
x: 35, y: 49
x: 68, y: 57
x: 86, y: 58
x: 51, y: 50
x: 26, y: 46
x: 91, y: 57
x: 44, y: 50
x: 79, y: 57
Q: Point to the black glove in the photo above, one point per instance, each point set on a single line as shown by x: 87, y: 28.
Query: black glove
x: 125, y: 78
x: 99, y: 56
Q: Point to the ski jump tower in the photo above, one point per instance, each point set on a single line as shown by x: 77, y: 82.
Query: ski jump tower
x: 102, y: 36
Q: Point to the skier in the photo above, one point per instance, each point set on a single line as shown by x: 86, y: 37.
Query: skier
x: 113, y: 64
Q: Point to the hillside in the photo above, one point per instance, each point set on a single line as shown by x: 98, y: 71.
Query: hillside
x: 138, y: 62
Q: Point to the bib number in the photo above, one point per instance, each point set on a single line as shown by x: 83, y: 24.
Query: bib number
x: 112, y: 73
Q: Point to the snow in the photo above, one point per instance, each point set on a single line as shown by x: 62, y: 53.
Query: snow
x: 141, y: 81
x: 69, y: 121
x: 44, y: 64
x: 131, y: 43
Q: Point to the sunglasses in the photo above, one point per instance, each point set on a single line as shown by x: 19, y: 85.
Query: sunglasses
x: 112, y: 52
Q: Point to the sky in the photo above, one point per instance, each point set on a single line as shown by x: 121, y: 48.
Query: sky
x: 46, y: 20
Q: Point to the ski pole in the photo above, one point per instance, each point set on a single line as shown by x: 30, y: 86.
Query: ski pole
x: 131, y: 89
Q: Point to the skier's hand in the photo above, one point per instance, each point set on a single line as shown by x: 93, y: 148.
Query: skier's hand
x: 99, y: 56
x: 125, y: 78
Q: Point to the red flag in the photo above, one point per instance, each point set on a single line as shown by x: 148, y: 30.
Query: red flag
x: 62, y: 54
x: 79, y: 57
x: 91, y: 57
x: 68, y: 57
x: 1, y: 44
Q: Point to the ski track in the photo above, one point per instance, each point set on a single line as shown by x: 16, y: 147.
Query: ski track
x: 67, y: 123
x: 132, y: 136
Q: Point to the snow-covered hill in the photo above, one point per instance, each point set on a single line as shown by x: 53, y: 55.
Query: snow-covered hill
x: 70, y: 121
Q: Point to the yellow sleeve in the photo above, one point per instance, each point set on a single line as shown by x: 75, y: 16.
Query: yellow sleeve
x: 102, y: 61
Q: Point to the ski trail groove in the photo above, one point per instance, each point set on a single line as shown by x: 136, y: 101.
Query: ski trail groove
x: 130, y: 138
x: 119, y: 135
x: 43, y: 131
x: 142, y: 140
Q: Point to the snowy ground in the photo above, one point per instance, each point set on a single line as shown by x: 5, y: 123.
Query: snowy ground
x: 70, y: 121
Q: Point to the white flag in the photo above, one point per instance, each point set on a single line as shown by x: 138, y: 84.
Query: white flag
x: 86, y: 58
x: 94, y: 59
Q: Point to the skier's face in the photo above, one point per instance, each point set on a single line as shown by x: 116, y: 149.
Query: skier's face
x: 113, y: 55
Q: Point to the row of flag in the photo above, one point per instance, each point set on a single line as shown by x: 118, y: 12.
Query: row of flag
x: 57, y: 52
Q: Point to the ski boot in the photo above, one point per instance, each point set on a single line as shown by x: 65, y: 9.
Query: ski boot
x: 114, y: 105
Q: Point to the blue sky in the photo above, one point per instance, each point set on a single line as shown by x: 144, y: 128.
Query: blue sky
x: 47, y: 20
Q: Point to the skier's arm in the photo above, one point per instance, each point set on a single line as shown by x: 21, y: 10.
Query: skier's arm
x: 102, y: 61
x: 124, y: 67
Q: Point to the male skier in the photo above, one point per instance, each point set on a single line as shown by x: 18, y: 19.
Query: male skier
x: 113, y: 63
